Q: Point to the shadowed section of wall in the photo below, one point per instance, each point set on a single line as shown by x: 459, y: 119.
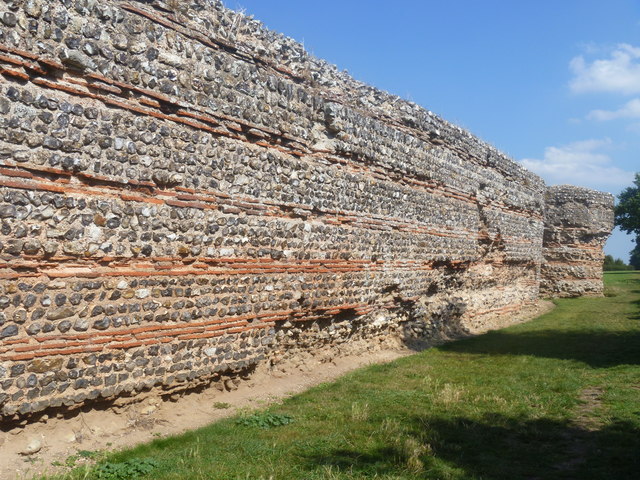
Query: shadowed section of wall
x: 185, y: 195
x: 578, y: 222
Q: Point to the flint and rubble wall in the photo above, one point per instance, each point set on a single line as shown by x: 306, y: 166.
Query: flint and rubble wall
x: 185, y: 195
x: 578, y: 222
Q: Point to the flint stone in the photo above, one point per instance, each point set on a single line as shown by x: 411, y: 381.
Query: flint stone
x: 102, y: 324
x: 45, y: 365
x: 10, y: 331
x: 9, y: 19
x: 81, y: 325
x: 8, y: 211
x: 34, y: 328
x: 33, y: 8
x: 61, y: 313
x: 76, y: 59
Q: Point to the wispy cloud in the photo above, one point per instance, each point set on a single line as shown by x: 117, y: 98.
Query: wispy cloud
x: 619, y: 73
x: 584, y: 163
x: 629, y: 110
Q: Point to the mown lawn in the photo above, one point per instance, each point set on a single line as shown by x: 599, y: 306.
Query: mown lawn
x: 555, y: 398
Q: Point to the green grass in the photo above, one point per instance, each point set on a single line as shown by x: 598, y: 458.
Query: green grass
x: 555, y: 398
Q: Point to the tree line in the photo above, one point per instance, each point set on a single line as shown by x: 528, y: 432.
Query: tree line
x: 615, y: 264
x: 627, y: 217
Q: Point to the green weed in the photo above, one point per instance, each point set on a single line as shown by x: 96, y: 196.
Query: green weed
x: 128, y: 470
x: 265, y: 420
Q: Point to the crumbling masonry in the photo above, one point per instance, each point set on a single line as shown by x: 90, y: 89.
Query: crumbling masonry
x: 185, y: 195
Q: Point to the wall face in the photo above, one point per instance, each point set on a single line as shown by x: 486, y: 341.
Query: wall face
x: 186, y: 195
x: 578, y: 222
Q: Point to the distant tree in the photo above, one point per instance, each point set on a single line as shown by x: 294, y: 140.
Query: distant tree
x: 607, y: 266
x: 627, y: 216
x: 634, y: 261
x: 611, y: 264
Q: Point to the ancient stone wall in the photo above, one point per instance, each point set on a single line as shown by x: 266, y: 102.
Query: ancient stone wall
x: 185, y: 195
x: 578, y: 222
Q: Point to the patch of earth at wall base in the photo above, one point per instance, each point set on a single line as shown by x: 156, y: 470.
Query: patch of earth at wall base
x: 119, y: 424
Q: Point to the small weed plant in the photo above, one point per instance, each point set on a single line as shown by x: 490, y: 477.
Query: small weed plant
x: 265, y: 420
x: 129, y: 470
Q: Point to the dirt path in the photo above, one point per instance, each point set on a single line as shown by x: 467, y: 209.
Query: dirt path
x: 579, y: 436
x: 585, y: 424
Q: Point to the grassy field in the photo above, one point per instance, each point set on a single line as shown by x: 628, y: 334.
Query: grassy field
x: 555, y: 398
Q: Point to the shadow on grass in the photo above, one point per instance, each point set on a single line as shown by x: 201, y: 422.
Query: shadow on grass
x: 381, y: 461
x: 636, y: 316
x: 597, y: 349
x: 495, y: 448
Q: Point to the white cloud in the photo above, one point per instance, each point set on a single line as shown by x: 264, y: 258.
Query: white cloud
x: 630, y: 110
x: 620, y: 73
x: 580, y: 163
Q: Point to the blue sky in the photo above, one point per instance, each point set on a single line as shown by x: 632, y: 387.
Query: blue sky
x: 553, y: 84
